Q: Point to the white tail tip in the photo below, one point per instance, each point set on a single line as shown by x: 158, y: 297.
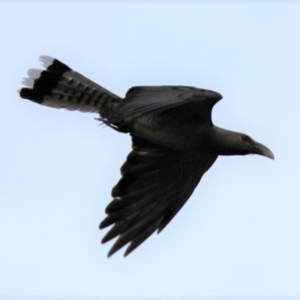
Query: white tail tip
x: 34, y: 73
x: 46, y: 60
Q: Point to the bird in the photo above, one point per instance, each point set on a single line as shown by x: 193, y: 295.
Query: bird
x: 174, y: 142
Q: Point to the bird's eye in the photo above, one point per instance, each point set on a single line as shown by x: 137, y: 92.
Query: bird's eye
x: 246, y: 138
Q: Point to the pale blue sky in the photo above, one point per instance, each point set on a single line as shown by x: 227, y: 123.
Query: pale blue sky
x: 238, y: 235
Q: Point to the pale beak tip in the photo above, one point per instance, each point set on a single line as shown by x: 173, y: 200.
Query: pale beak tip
x: 264, y: 151
x: 272, y: 156
x: 268, y: 153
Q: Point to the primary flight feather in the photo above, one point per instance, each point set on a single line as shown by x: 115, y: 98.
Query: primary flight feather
x: 174, y: 142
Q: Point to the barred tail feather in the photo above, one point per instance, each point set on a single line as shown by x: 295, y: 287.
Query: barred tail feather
x: 59, y: 86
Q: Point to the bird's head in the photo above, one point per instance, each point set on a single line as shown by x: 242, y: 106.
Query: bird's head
x: 249, y: 146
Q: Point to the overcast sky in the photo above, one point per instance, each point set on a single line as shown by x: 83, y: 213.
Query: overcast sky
x: 238, y: 235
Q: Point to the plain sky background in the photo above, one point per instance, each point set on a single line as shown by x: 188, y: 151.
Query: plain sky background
x: 238, y: 235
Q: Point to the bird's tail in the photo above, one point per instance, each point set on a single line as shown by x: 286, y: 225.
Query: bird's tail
x: 59, y: 86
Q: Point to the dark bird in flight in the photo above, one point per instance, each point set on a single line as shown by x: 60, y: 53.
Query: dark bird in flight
x: 174, y: 142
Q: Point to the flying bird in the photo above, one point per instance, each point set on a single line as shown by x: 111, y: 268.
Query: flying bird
x: 174, y: 142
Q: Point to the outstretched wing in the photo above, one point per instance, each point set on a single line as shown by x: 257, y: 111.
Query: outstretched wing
x: 156, y: 182
x: 59, y: 86
x: 147, y: 99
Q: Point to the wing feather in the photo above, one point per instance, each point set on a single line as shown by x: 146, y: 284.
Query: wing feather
x: 156, y: 182
x: 147, y: 99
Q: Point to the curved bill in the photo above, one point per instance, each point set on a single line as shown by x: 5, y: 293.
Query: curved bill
x: 263, y: 150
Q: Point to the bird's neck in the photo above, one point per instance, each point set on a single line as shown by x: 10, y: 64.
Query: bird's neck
x: 223, y: 142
